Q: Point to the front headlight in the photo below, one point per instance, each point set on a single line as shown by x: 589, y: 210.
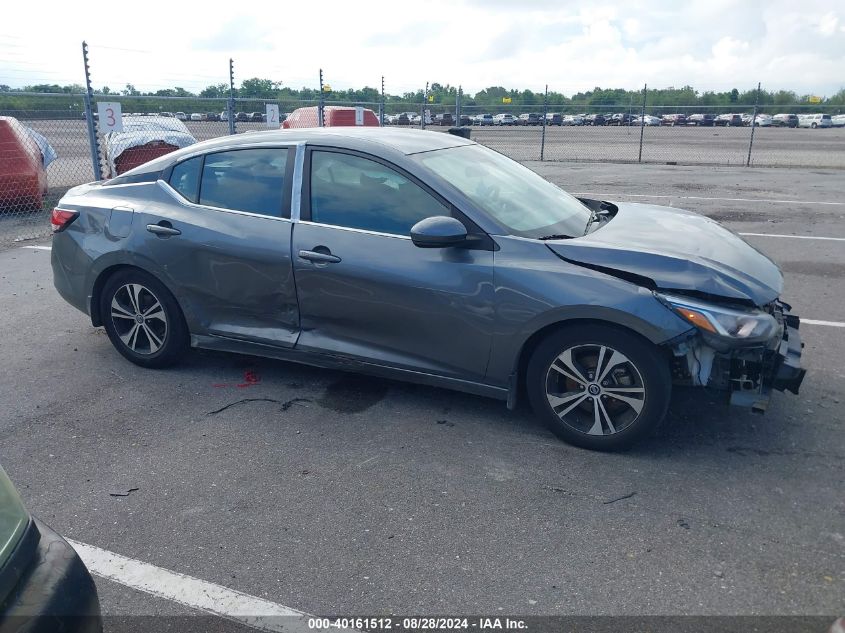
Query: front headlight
x: 741, y: 325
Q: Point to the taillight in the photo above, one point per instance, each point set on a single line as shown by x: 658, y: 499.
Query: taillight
x: 60, y: 219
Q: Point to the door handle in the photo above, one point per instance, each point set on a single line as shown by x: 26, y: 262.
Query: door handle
x: 163, y: 229
x: 319, y: 258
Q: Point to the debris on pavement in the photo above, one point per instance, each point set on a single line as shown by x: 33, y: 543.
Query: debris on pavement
x: 122, y: 493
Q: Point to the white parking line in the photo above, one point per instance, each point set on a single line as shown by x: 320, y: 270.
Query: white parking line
x: 798, y: 237
x: 651, y: 195
x: 828, y: 323
x: 191, y: 592
x: 39, y: 248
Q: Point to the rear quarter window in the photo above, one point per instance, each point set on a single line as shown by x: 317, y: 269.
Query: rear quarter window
x: 185, y: 178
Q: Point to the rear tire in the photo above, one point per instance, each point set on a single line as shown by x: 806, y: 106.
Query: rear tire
x: 143, y: 319
x: 598, y: 387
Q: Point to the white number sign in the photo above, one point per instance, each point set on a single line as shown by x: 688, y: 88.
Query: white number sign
x: 359, y: 115
x: 109, y: 116
x: 273, y: 115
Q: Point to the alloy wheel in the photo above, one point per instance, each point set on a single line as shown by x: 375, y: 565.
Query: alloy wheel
x: 139, y: 318
x: 595, y: 389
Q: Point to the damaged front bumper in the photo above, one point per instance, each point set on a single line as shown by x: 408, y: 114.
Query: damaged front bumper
x: 749, y: 374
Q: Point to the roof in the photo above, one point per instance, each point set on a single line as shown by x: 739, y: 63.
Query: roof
x: 373, y: 140
x: 404, y: 141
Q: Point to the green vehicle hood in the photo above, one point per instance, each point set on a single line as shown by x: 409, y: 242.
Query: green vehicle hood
x: 13, y: 517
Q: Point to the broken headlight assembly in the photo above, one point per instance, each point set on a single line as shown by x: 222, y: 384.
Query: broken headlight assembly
x: 729, y: 324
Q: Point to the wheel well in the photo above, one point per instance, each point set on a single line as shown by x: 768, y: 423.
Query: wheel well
x: 97, y: 290
x: 535, y: 339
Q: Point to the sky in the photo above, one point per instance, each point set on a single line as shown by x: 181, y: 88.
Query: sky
x: 571, y: 45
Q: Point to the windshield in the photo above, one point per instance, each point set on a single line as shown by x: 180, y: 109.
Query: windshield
x: 515, y: 196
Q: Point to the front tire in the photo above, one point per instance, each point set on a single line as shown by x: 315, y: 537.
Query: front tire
x: 143, y: 319
x: 598, y: 387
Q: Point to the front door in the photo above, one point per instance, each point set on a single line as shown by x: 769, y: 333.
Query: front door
x: 366, y: 292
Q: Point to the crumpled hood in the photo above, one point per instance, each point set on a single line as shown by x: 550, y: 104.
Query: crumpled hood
x: 677, y: 250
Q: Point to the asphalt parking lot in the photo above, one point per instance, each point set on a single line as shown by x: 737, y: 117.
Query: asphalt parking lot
x: 338, y: 494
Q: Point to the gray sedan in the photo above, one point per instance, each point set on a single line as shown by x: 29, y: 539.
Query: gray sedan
x: 426, y: 257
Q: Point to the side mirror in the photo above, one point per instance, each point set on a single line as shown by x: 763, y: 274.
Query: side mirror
x: 439, y: 231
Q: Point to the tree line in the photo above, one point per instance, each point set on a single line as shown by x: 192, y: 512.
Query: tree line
x: 494, y: 98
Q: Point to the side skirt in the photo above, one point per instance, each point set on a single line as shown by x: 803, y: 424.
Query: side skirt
x: 331, y: 361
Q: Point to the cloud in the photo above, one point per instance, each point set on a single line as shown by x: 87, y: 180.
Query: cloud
x: 241, y: 33
x: 415, y: 33
x: 828, y: 23
x: 572, y: 46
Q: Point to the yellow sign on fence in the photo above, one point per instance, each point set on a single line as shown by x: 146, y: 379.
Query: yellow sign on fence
x: 506, y: 100
x: 327, y: 88
x: 431, y: 98
x: 815, y: 99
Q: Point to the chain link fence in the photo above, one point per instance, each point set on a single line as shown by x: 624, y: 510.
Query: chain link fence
x: 45, y: 146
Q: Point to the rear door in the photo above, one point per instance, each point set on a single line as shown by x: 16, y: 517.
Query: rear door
x: 367, y: 292
x: 220, y: 234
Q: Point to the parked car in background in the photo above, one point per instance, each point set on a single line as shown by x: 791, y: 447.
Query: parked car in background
x: 728, y: 120
x: 212, y: 116
x: 446, y: 118
x: 707, y: 120
x: 648, y: 120
x: 785, y: 120
x: 620, y: 118
x: 167, y: 114
x: 257, y: 117
x: 573, y: 119
x: 763, y: 120
x: 595, y: 119
x: 505, y: 118
x: 403, y: 119
x: 179, y: 115
x: 242, y: 116
x: 143, y: 139
x: 838, y: 120
x: 591, y: 310
x: 554, y: 118
x: 814, y: 120
x: 44, y: 585
x: 197, y: 116
x: 746, y: 118
x: 24, y: 157
x: 465, y: 120
x: 333, y: 116
x: 484, y: 119
x: 529, y: 118
x: 224, y: 115
x: 674, y: 119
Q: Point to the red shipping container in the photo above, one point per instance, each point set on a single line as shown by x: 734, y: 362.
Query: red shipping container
x: 23, y: 180
x: 333, y: 116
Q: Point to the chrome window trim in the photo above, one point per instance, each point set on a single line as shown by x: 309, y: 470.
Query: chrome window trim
x: 192, y: 205
x: 354, y: 230
x: 127, y: 184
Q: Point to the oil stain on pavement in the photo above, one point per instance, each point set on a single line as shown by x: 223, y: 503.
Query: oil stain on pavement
x: 352, y: 393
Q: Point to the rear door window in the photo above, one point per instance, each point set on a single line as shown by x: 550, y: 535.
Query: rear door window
x: 250, y: 180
